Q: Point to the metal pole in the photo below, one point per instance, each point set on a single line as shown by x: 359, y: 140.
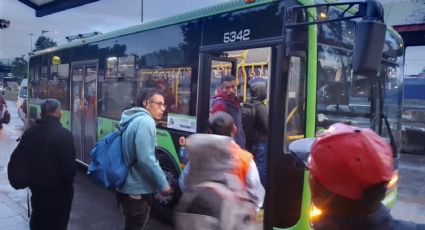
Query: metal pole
x: 31, y: 42
x: 141, y: 12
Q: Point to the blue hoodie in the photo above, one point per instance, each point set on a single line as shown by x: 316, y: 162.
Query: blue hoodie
x: 139, y: 141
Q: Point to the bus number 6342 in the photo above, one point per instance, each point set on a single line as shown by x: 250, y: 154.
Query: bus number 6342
x: 236, y: 36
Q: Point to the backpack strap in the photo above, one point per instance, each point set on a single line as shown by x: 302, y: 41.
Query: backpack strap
x: 121, y: 131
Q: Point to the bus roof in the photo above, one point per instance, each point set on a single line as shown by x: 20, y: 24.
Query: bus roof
x: 184, y: 17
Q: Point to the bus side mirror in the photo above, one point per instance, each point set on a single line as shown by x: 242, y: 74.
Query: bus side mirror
x: 369, y: 41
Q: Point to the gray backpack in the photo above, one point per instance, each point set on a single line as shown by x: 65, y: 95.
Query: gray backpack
x: 236, y: 211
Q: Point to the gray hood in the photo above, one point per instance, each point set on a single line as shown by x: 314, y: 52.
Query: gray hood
x: 258, y: 91
x: 129, y: 114
x: 210, y: 160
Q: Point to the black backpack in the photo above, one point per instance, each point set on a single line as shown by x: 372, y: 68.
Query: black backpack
x: 17, y: 168
x: 248, y: 122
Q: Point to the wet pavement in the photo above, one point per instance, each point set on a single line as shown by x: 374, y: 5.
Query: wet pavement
x: 96, y: 208
x: 93, y: 207
x: 410, y: 204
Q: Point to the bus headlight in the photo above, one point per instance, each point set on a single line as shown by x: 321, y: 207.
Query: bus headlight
x: 315, y: 213
x: 393, y: 182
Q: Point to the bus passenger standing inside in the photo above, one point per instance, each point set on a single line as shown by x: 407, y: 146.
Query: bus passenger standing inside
x: 227, y: 101
x: 145, y: 176
x: 350, y: 172
x: 51, y: 165
x: 260, y: 128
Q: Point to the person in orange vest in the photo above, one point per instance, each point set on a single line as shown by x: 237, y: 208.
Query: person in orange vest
x: 221, y: 123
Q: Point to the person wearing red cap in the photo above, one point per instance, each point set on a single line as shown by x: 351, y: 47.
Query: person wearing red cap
x: 350, y: 169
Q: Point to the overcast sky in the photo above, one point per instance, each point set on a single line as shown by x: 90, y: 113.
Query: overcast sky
x: 108, y: 15
x: 102, y: 16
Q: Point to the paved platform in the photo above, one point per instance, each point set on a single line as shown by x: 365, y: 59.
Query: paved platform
x: 12, y: 215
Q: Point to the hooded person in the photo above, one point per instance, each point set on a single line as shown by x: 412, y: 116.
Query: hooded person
x: 244, y: 168
x: 257, y: 130
x: 351, y: 171
x: 214, y: 197
x: 145, y: 176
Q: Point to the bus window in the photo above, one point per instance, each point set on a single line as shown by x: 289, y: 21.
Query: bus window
x: 295, y: 101
x: 117, y: 91
x: 175, y: 86
x: 59, y: 84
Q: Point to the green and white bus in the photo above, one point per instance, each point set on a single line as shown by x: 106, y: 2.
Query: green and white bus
x: 304, y: 50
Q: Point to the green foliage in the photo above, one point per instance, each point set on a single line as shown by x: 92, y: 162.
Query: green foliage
x: 44, y: 42
x: 19, y: 67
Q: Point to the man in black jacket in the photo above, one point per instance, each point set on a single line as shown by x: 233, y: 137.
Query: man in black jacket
x: 350, y: 172
x: 51, y: 160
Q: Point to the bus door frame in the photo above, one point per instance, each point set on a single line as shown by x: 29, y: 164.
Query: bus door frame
x: 206, y: 56
x: 278, y: 92
x: 82, y: 132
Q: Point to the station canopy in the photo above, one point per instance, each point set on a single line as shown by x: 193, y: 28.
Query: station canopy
x: 46, y: 7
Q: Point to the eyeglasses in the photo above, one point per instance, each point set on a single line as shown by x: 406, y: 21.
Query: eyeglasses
x: 160, y: 104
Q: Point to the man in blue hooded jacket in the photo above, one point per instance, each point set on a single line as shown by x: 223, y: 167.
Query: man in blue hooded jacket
x: 145, y: 174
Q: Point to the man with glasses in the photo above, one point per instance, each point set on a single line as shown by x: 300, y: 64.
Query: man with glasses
x: 145, y: 176
x: 227, y: 101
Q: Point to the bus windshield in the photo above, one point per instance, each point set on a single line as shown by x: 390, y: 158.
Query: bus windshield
x: 354, y: 99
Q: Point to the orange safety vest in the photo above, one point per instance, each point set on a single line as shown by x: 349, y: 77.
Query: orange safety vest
x: 243, y: 160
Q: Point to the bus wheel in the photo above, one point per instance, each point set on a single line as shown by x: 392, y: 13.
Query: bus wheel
x: 163, y: 206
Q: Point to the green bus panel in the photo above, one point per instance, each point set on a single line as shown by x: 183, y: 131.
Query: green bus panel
x: 105, y: 126
x: 66, y: 119
x: 165, y: 142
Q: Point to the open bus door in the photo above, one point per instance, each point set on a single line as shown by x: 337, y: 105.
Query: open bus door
x: 213, y: 68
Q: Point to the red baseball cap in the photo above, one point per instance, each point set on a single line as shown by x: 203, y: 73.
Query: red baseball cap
x: 346, y: 159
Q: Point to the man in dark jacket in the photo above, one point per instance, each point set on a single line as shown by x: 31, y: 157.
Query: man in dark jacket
x: 51, y: 163
x: 227, y: 101
x: 350, y: 172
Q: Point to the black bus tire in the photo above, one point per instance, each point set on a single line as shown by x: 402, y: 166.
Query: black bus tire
x: 163, y: 209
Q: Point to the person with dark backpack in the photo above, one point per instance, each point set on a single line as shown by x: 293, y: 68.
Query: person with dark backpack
x: 46, y: 154
x: 255, y: 125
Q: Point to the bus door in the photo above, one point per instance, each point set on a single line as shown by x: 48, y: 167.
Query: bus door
x: 248, y: 66
x: 84, y: 83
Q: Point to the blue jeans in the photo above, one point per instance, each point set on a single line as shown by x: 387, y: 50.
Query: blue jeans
x: 260, y: 158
